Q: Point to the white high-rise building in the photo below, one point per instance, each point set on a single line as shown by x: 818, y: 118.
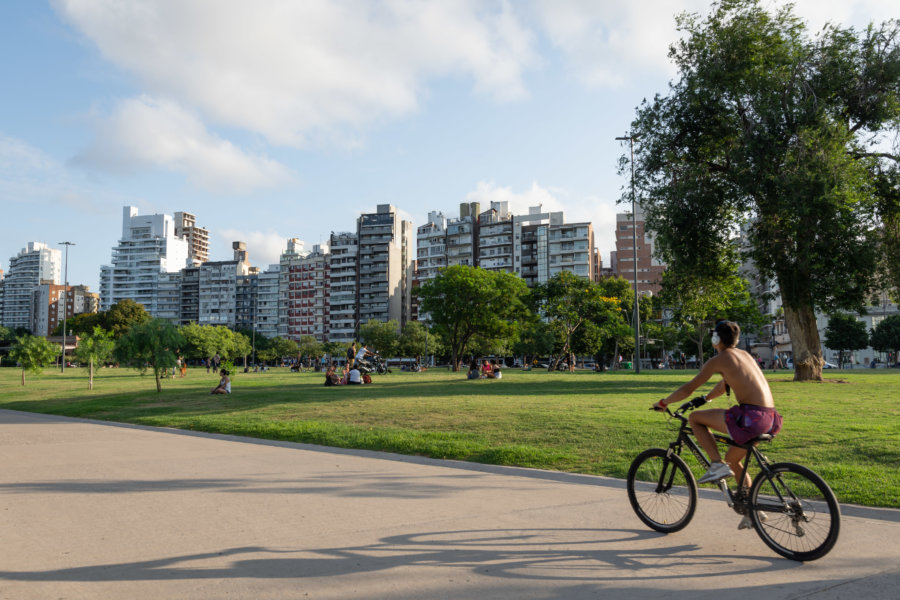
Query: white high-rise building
x: 148, y: 247
x: 35, y: 263
x: 431, y: 247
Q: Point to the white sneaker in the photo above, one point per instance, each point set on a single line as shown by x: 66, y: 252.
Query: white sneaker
x: 717, y: 471
x: 746, y: 523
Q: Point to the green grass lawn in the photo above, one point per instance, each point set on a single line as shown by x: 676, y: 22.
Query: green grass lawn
x: 846, y: 428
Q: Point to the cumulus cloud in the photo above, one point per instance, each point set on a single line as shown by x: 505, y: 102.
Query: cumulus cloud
x: 145, y: 131
x: 263, y: 248
x: 288, y: 69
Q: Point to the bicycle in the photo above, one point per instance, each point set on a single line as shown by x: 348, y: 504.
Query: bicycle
x: 791, y: 507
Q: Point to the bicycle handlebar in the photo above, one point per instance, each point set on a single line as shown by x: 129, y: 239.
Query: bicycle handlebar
x: 691, y: 404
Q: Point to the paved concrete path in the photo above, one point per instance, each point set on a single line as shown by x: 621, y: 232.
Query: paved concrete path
x: 97, y: 510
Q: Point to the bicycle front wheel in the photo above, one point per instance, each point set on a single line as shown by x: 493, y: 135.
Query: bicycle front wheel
x: 662, y: 490
x: 795, y: 512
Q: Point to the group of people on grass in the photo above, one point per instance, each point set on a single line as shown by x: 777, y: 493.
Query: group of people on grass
x: 487, y: 370
x: 350, y: 376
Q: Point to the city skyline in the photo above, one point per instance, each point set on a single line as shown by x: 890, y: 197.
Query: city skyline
x: 274, y: 124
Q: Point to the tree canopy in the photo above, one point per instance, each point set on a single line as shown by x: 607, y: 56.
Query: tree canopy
x: 94, y: 348
x: 464, y: 301
x: 150, y: 344
x: 845, y: 333
x: 33, y: 353
x: 886, y: 335
x: 776, y: 135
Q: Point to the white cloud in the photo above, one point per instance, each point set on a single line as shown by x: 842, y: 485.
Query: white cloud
x: 263, y: 248
x: 608, y: 44
x: 146, y: 132
x: 29, y: 176
x: 288, y: 70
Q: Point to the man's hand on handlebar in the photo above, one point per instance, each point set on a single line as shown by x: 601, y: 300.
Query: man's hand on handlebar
x: 659, y: 406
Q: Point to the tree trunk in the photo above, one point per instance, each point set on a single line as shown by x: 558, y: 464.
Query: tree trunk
x: 156, y: 374
x: 805, y: 343
x: 23, y: 376
x: 91, y: 376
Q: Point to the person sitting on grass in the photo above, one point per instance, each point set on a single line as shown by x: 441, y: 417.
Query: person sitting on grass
x: 473, y: 370
x: 486, y: 370
x: 331, y: 377
x: 354, y: 377
x: 224, y: 386
x: 496, y: 372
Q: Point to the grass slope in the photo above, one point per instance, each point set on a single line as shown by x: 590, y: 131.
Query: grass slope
x: 847, y: 428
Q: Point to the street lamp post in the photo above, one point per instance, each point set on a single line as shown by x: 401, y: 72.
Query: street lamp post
x: 65, y: 303
x: 637, y: 315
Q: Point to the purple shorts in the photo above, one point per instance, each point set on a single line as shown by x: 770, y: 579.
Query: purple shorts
x: 747, y: 421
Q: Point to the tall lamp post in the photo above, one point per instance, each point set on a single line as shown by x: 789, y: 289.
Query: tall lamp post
x: 637, y: 314
x: 65, y: 303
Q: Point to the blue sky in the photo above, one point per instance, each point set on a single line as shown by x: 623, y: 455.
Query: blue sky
x: 277, y: 119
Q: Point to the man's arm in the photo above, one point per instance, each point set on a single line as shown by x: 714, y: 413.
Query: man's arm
x: 708, y: 369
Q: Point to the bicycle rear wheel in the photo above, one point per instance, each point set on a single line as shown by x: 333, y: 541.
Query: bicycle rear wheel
x: 803, y: 516
x: 662, y: 490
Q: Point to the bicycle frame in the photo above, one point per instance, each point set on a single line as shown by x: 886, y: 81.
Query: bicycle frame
x: 737, y: 499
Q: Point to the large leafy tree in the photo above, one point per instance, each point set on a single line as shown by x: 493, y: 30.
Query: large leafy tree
x: 94, y: 348
x: 122, y: 315
x: 568, y: 302
x: 776, y: 132
x: 886, y: 335
x: 845, y: 333
x: 33, y: 353
x: 464, y: 301
x: 151, y: 345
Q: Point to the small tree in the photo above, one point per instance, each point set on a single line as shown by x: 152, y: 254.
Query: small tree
x: 310, y: 347
x: 33, y: 353
x: 381, y: 336
x: 845, y: 332
x: 150, y: 344
x: 886, y: 335
x: 94, y: 348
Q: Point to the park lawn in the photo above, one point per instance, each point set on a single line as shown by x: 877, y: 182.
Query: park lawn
x: 846, y: 428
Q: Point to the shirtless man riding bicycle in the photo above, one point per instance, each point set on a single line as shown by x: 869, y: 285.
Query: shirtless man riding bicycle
x: 754, y: 414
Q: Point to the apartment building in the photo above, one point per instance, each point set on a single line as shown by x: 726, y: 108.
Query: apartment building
x: 36, y: 262
x: 266, y: 310
x: 570, y: 247
x: 385, y: 266
x: 431, y: 247
x: 530, y: 244
x: 495, y: 238
x: 190, y: 296
x: 147, y: 248
x: 54, y: 302
x: 649, y: 269
x: 197, y: 237
x: 462, y: 236
x: 308, y: 281
x: 343, y: 274
x: 218, y: 287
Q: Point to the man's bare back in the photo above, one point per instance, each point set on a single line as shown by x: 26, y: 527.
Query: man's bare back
x: 742, y: 373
